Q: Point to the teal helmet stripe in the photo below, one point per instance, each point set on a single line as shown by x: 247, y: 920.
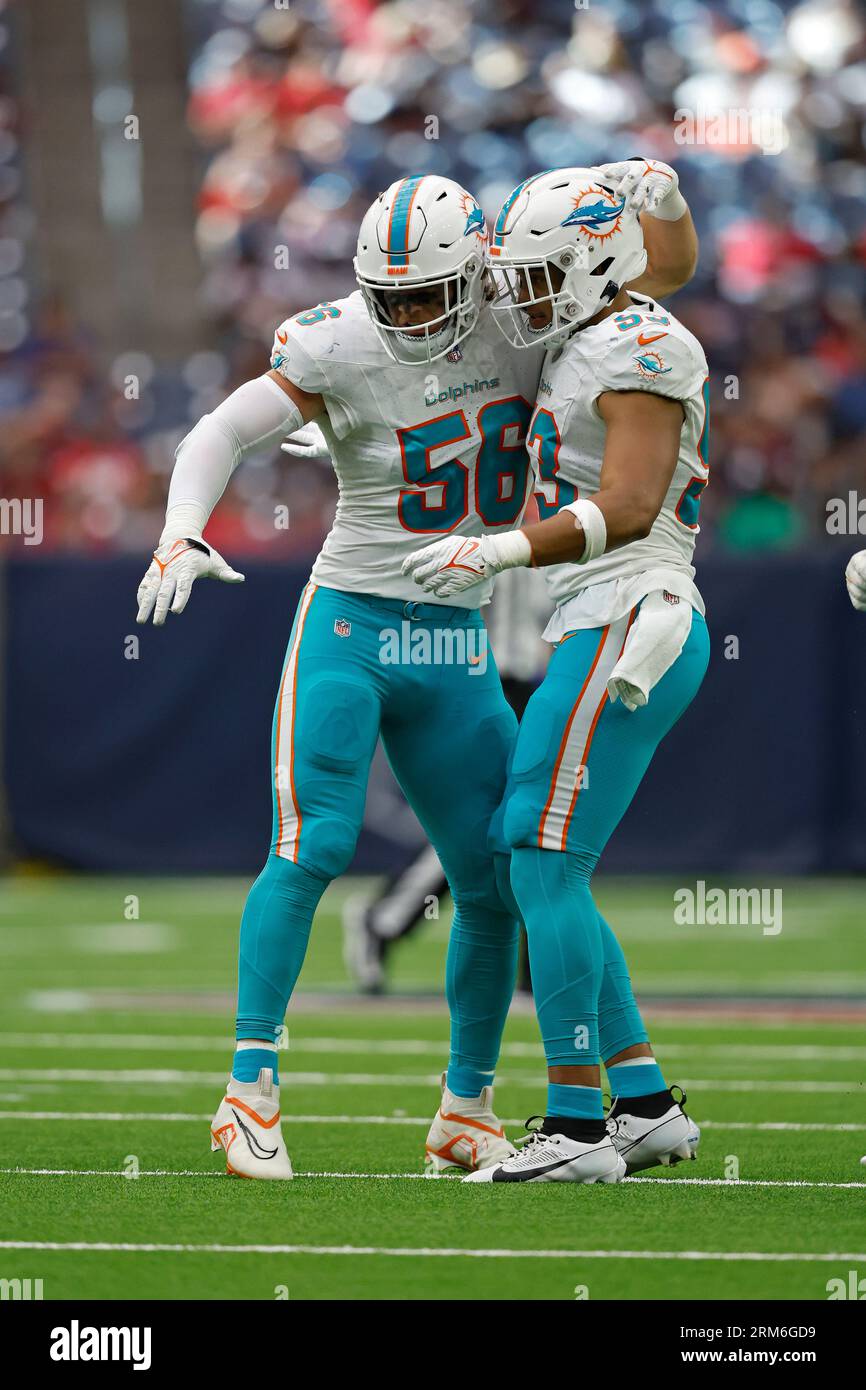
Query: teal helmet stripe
x: 499, y: 229
x: 398, y: 222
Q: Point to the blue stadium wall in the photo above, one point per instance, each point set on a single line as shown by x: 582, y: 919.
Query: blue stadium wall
x: 161, y: 764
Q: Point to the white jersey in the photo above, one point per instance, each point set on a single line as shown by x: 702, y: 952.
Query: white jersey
x: 419, y: 452
x: 644, y: 349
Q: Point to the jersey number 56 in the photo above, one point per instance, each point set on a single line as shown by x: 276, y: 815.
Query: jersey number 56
x: 439, y: 496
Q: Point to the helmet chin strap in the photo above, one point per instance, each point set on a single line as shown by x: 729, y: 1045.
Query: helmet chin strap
x: 420, y: 344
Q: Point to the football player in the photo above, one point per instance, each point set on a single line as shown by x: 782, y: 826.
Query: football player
x: 619, y: 438
x: 424, y: 407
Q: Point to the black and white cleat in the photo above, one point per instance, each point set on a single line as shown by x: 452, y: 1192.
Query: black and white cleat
x: 554, y: 1157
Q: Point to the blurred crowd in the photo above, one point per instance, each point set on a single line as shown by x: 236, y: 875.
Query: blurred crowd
x: 303, y: 112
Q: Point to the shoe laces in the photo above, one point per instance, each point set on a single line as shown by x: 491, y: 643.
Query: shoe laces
x: 535, y: 1136
x: 531, y: 1149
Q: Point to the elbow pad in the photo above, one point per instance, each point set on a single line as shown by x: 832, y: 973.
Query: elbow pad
x: 591, y: 519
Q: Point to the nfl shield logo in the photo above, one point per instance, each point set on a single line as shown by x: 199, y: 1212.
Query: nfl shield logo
x: 342, y: 628
x: 669, y: 598
x: 455, y: 355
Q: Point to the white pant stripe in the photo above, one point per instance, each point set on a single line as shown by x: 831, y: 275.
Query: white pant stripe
x: 570, y: 768
x: 288, y: 811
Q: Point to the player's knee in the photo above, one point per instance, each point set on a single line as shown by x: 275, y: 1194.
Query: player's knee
x: 327, y: 845
x: 475, y: 888
x: 340, y: 720
x: 581, y: 862
x: 485, y: 921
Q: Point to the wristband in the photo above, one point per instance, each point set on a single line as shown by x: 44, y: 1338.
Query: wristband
x: 671, y: 208
x: 506, y: 552
x: 182, y: 520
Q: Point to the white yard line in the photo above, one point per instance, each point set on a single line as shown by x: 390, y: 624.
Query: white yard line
x: 745, y: 1182
x: 398, y: 1047
x: 770, y: 1125
x: 444, y: 1252
x: 177, y: 1077
x: 123, y: 1116
x: 393, y: 1177
x: 189, y: 1117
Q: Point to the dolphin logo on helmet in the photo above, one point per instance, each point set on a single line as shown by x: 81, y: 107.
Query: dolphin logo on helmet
x: 596, y: 218
x: 475, y: 222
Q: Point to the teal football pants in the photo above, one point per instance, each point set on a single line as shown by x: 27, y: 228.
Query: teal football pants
x: 576, y: 766
x: 421, y: 677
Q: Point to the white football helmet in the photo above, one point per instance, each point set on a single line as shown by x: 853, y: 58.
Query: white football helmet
x: 573, y: 221
x: 424, y: 233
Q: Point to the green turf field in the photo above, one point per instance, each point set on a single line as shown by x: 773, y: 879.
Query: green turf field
x: 115, y: 1041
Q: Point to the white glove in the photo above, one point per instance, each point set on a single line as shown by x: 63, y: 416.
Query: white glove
x: 855, y: 578
x: 449, y: 566
x: 647, y: 186
x: 175, y: 567
x: 308, y: 443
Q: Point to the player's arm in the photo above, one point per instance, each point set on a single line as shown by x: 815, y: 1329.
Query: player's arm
x: 672, y: 255
x: 640, y: 454
x: 652, y: 190
x: 259, y: 413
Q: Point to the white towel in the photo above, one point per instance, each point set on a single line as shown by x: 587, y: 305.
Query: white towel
x: 658, y: 635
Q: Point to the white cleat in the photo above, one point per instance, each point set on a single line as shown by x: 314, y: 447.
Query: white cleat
x: 465, y: 1134
x: 644, y: 1143
x: 556, y: 1158
x: 247, y: 1127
